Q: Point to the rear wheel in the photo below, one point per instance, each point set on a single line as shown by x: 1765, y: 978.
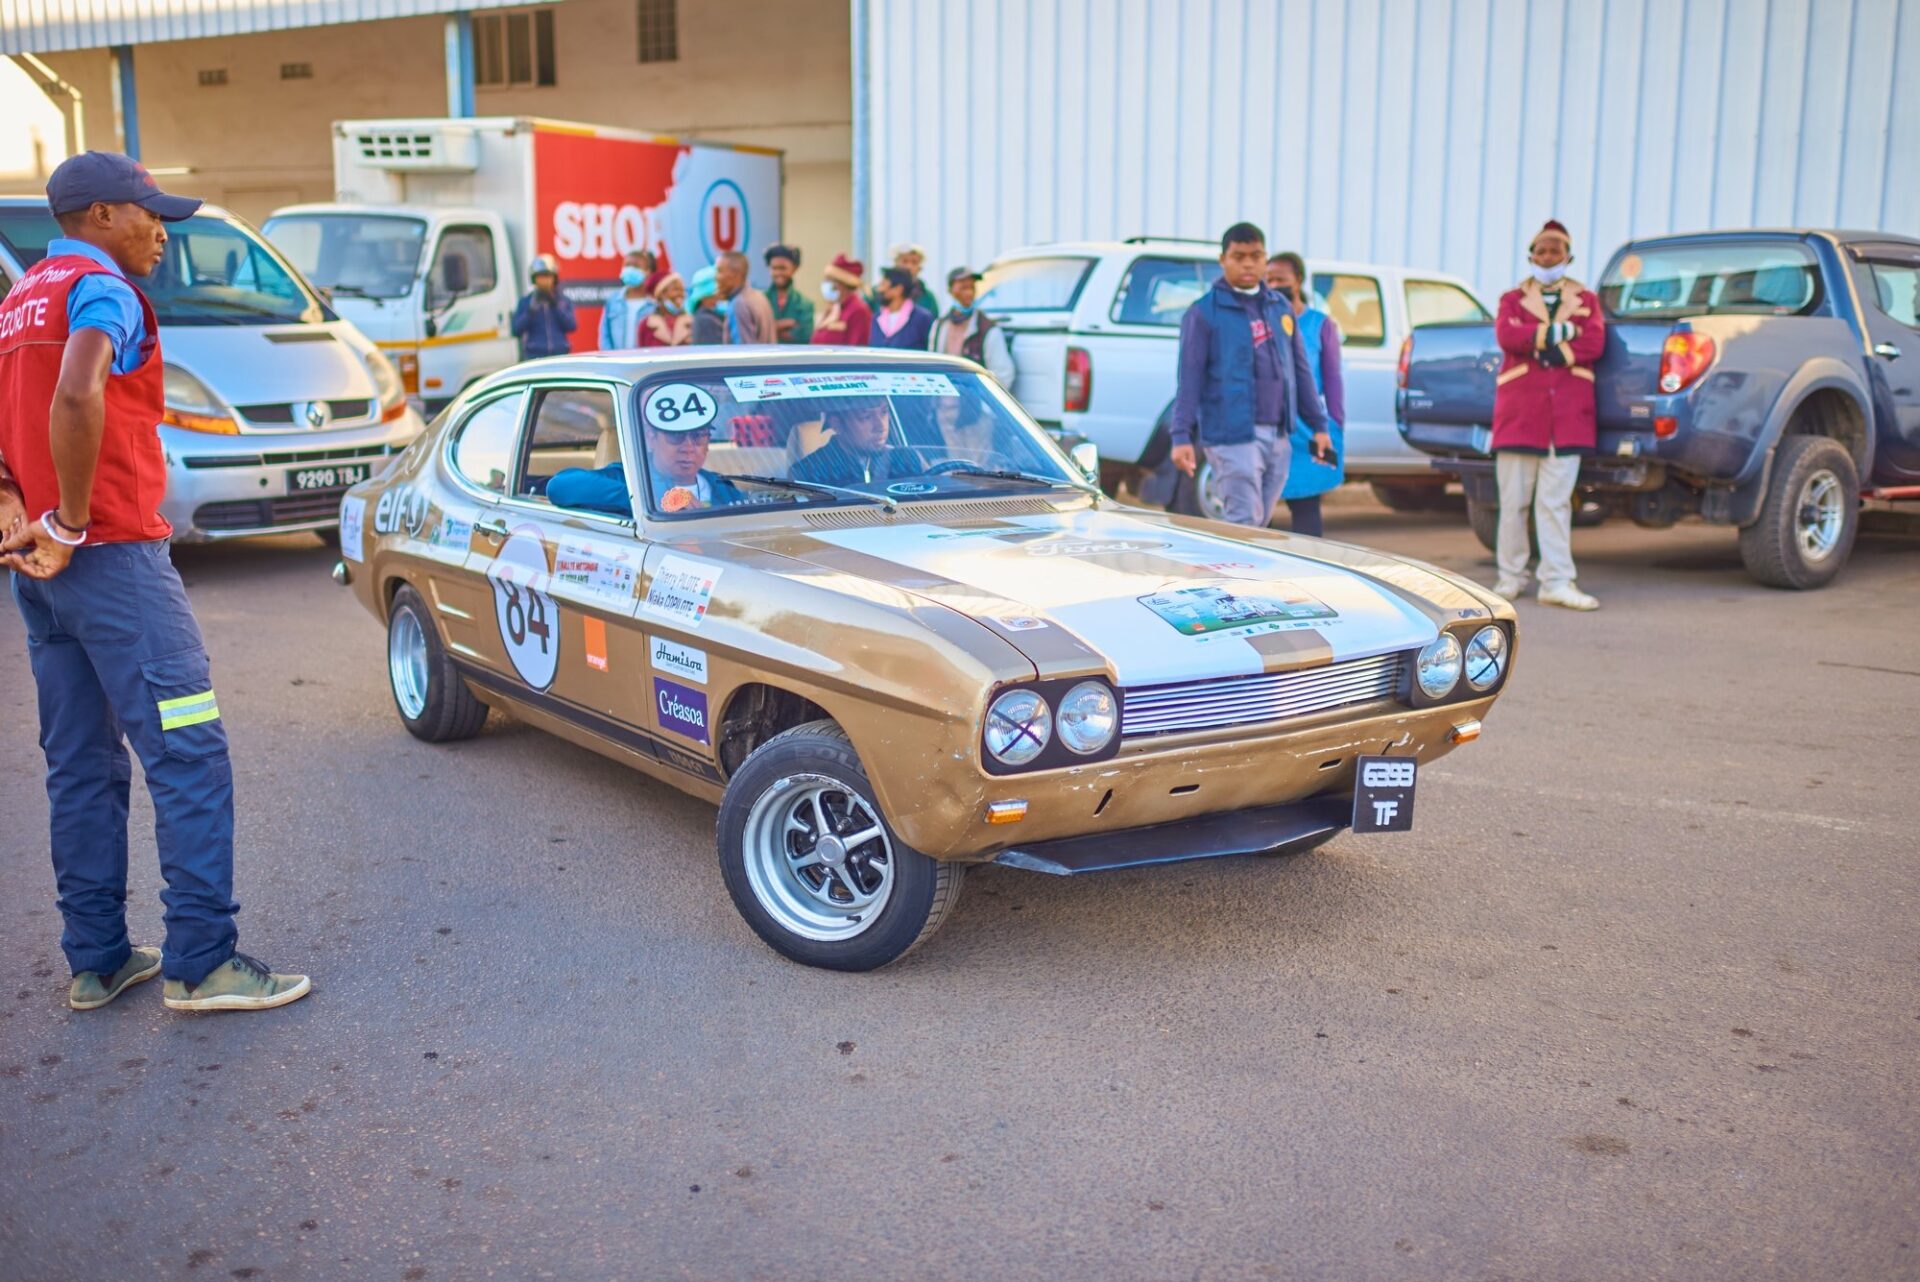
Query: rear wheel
x: 433, y: 702
x: 1807, y: 523
x: 814, y: 866
x: 1409, y: 496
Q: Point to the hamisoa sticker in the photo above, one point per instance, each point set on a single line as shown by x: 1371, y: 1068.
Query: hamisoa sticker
x: 529, y: 623
x: 679, y: 407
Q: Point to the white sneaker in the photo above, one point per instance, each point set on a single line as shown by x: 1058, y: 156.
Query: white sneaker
x: 1566, y: 594
x: 1511, y: 589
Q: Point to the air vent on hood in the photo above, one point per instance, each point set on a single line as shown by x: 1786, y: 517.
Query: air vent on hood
x: 955, y: 513
x: 300, y: 336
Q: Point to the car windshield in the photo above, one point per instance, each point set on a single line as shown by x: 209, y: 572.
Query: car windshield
x: 1664, y: 281
x: 890, y: 435
x: 216, y: 271
x: 354, y: 255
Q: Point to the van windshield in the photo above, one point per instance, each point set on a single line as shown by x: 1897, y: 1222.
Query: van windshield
x: 1739, y: 278
x: 215, y: 272
x: 354, y: 255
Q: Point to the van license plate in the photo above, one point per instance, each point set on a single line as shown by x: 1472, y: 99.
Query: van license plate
x: 337, y: 476
x: 1383, y: 794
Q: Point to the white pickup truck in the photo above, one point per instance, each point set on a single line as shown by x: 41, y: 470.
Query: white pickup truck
x: 1095, y: 327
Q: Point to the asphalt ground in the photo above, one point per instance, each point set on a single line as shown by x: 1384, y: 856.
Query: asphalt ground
x: 1636, y: 999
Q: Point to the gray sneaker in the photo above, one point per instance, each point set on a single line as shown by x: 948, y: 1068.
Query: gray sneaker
x: 91, y: 990
x: 239, y: 983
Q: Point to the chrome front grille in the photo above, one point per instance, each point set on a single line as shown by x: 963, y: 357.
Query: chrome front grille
x: 1241, y: 701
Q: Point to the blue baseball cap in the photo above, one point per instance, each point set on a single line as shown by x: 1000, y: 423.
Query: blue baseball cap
x: 114, y: 179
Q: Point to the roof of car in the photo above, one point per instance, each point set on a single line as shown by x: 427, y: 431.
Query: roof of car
x: 640, y: 363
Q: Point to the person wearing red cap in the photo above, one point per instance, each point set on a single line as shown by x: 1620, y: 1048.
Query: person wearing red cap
x: 1551, y: 332
x: 848, y: 320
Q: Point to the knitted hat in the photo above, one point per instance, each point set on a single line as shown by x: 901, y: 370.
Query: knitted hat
x: 660, y: 280
x: 1554, y: 227
x: 652, y: 282
x: 850, y: 272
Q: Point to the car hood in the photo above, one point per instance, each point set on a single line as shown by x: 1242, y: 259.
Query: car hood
x: 1156, y: 602
x: 260, y: 364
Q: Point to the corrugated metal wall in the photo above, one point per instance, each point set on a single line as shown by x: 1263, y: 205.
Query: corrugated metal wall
x: 50, y: 26
x: 1436, y: 133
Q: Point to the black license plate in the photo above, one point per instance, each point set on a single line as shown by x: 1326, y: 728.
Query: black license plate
x: 327, y: 476
x: 1383, y: 794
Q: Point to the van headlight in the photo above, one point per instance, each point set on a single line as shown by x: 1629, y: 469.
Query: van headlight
x: 1438, y: 667
x: 1019, y: 724
x: 1088, y: 717
x: 192, y: 405
x: 387, y: 386
x: 1486, y: 660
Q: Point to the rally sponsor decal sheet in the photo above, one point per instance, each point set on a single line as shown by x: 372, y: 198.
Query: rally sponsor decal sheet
x: 1163, y: 605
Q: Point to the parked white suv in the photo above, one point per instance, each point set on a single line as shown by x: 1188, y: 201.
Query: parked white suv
x: 1095, y: 327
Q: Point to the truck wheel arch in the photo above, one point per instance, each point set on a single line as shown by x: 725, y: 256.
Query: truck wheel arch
x: 1823, y: 398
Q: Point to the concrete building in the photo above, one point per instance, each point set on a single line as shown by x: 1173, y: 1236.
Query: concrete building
x: 240, y: 95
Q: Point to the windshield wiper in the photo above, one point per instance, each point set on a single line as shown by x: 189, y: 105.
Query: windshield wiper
x: 356, y: 290
x: 1010, y: 474
x: 816, y: 487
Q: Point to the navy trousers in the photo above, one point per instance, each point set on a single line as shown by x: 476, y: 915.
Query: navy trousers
x: 117, y: 657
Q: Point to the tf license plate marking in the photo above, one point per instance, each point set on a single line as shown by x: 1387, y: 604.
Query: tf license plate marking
x: 1383, y: 794
x: 332, y: 476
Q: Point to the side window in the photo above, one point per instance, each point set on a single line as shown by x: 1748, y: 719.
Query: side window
x: 6, y: 283
x: 572, y: 427
x: 483, y: 450
x: 474, y: 274
x: 1896, y: 288
x: 1354, y: 304
x: 1432, y: 302
x: 1158, y: 291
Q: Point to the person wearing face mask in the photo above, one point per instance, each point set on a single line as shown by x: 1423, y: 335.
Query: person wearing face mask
x: 1551, y: 332
x: 900, y: 322
x: 1243, y: 378
x: 967, y: 331
x: 668, y: 324
x: 1313, y: 470
x: 621, y: 316
x: 847, y: 321
x: 708, y: 307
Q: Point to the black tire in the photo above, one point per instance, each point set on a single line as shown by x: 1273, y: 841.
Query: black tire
x: 923, y: 890
x: 447, y: 708
x: 1784, y: 547
x: 1588, y: 511
x: 329, y: 537
x: 1408, y: 497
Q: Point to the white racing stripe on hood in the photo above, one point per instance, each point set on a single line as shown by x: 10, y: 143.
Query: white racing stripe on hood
x: 1161, y: 604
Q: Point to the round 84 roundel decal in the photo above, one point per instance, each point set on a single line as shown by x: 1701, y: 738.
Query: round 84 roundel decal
x: 529, y: 623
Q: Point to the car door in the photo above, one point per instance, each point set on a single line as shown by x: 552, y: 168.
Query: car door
x: 560, y: 582
x: 478, y: 461
x: 467, y: 305
x: 1888, y: 280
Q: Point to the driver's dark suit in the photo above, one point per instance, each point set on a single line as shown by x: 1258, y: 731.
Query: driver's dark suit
x: 835, y: 464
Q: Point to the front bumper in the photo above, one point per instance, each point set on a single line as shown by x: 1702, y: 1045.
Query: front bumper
x: 229, y: 487
x: 1265, y: 830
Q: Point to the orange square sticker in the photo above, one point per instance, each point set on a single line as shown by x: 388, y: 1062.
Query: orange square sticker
x: 595, y: 633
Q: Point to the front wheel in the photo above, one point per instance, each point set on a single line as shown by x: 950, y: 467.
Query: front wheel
x: 1806, y: 525
x: 814, y: 866
x: 433, y: 702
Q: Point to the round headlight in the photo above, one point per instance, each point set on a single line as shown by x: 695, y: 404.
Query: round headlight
x: 1438, y: 668
x: 1018, y: 726
x: 1486, y: 657
x: 1088, y: 717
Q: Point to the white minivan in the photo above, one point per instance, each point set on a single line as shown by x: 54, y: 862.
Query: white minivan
x: 274, y: 404
x: 1095, y: 329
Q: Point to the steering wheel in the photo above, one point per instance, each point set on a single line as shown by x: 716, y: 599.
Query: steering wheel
x: 993, y: 459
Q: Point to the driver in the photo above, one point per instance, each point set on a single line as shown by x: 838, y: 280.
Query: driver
x: 857, y: 452
x: 676, y: 478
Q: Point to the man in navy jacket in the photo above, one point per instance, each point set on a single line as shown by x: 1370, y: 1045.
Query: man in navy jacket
x: 1244, y: 378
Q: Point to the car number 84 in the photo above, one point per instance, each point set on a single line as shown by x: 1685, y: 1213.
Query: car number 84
x: 529, y: 623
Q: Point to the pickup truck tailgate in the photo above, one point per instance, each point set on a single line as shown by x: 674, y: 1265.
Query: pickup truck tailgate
x: 1038, y: 341
x: 1451, y: 371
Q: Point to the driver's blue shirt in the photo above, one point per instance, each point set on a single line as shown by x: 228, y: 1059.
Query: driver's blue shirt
x: 106, y: 303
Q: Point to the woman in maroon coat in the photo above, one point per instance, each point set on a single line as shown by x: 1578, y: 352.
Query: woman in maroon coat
x: 1551, y: 332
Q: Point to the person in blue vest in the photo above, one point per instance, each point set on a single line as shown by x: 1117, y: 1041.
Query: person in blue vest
x: 1243, y: 379
x: 1311, y: 472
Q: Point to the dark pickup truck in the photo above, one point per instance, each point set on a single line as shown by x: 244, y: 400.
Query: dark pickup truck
x: 1766, y: 380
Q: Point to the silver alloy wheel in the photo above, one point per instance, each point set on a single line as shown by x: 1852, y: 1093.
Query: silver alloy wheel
x: 1820, y: 516
x: 1207, y: 489
x: 818, y: 858
x: 407, y: 663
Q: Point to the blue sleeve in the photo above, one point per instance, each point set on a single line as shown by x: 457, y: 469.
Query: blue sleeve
x: 1194, y: 337
x: 567, y: 323
x: 107, y: 303
x: 520, y: 310
x: 608, y: 340
x: 601, y: 489
x: 1306, y: 397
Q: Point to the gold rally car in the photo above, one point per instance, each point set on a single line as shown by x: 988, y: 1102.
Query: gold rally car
x: 862, y: 602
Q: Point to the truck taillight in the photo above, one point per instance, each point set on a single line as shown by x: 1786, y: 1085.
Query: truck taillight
x: 1079, y: 383
x: 1406, y: 361
x: 1684, y: 357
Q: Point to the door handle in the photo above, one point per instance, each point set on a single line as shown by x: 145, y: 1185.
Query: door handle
x: 1886, y: 351
x: 494, y: 527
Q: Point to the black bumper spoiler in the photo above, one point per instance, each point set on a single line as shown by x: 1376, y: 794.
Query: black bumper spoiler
x: 1267, y: 830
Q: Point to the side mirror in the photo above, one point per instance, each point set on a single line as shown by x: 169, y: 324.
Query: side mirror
x: 1086, y: 457
x: 454, y: 277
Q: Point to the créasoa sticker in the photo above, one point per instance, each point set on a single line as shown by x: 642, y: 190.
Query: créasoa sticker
x: 529, y: 624
x: 679, y: 407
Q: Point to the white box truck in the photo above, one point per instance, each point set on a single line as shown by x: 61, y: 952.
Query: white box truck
x: 426, y: 243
